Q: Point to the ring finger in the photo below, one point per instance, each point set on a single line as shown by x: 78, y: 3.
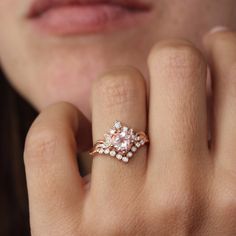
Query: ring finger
x: 118, y: 95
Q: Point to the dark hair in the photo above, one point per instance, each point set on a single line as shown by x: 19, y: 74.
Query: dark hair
x: 16, y: 117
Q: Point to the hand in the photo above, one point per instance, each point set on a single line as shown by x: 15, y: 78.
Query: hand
x: 176, y: 186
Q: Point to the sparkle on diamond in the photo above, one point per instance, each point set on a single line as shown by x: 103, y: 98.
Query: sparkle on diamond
x: 122, y: 140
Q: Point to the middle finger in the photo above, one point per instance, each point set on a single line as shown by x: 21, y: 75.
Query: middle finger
x: 178, y: 105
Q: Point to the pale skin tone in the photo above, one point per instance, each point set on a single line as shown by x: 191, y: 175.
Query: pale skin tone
x: 179, y: 184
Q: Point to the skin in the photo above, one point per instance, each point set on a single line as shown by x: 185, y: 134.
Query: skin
x: 179, y: 185
x: 65, y: 68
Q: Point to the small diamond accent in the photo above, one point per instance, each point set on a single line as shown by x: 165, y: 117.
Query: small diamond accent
x: 129, y: 154
x: 106, y: 151
x: 125, y: 159
x: 138, y: 145
x: 125, y: 128
x: 107, y: 140
x: 142, y: 142
x: 119, y: 156
x: 133, y: 149
x: 112, y: 131
x: 112, y: 153
x: 101, y: 151
x: 117, y: 125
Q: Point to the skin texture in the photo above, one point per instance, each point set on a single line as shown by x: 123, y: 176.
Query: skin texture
x: 64, y: 68
x: 179, y: 184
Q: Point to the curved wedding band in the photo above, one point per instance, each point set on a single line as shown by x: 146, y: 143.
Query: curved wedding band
x: 120, y: 142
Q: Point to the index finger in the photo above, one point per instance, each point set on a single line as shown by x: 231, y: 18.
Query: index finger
x: 55, y: 187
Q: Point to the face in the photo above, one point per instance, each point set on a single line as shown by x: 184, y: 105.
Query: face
x: 53, y: 50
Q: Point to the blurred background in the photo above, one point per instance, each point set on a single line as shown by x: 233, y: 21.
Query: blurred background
x: 15, y: 119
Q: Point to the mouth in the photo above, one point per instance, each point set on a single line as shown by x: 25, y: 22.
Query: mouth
x: 70, y: 17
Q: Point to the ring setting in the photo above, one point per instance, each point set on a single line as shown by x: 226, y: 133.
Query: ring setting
x: 120, y: 142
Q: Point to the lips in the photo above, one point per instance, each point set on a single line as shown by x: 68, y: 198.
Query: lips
x: 67, y: 17
x: 41, y: 6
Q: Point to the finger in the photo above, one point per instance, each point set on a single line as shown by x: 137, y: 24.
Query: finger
x: 221, y: 48
x: 118, y: 95
x: 55, y: 187
x: 178, y: 104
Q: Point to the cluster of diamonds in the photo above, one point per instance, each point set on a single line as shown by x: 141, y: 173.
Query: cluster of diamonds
x: 120, y: 142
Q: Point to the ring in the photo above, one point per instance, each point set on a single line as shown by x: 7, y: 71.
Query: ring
x: 120, y: 142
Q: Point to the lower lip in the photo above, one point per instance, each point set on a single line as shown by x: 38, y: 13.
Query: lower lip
x: 86, y: 19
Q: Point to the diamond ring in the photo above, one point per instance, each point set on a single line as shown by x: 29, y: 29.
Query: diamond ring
x: 120, y: 142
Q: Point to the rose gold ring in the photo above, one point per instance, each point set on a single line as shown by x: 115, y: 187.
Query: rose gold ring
x: 120, y: 142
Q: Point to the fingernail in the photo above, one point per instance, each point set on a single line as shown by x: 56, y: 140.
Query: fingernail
x: 217, y: 29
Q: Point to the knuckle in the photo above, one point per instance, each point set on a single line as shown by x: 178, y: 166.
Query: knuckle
x: 173, y: 204
x: 114, y: 225
x: 111, y: 224
x: 176, y: 214
x: 177, y: 207
x: 40, y: 143
x: 118, y: 86
x: 61, y: 225
x: 178, y: 58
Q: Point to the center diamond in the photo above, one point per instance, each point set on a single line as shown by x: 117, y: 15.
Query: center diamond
x: 122, y: 140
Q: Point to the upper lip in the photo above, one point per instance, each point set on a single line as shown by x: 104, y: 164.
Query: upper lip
x: 38, y: 7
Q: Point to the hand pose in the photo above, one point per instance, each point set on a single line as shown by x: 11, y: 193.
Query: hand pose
x: 179, y: 184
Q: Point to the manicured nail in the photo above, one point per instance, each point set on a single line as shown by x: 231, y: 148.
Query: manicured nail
x: 217, y: 29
